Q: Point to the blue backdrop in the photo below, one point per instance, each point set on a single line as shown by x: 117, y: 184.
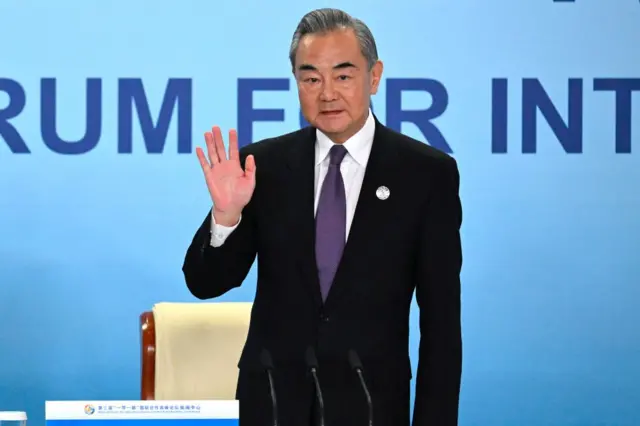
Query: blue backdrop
x: 533, y: 97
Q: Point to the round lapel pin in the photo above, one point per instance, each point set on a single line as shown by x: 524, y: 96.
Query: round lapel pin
x: 383, y: 193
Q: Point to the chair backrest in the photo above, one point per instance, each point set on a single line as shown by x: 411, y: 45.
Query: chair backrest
x: 197, y: 349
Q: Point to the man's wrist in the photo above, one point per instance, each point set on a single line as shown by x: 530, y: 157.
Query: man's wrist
x: 227, y: 219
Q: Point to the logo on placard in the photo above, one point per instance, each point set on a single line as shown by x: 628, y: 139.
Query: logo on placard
x: 89, y: 409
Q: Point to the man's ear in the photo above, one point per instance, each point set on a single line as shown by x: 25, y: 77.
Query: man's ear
x: 376, y: 76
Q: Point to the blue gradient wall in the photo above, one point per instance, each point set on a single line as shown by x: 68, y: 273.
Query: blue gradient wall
x: 535, y: 99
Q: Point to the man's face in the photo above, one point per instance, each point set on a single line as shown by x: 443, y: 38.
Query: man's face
x: 335, y: 83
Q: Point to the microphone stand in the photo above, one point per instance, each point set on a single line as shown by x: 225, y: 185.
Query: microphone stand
x: 312, y: 365
x: 267, y: 363
x: 356, y: 365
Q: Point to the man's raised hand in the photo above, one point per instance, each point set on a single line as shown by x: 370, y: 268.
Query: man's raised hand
x: 229, y: 185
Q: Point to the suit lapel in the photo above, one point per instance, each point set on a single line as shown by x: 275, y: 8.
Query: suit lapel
x: 301, y: 163
x: 367, y: 214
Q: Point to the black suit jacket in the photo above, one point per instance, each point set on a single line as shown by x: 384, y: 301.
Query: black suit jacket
x: 408, y: 242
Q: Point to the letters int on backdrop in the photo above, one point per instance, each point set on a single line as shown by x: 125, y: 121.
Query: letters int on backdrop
x: 569, y: 132
x: 177, y: 107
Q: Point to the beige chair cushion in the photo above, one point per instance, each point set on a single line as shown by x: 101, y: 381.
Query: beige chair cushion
x: 198, y: 346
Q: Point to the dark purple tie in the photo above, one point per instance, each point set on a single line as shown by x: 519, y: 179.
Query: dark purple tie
x: 331, y: 221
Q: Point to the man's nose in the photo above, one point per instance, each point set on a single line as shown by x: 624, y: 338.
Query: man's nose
x: 328, y: 93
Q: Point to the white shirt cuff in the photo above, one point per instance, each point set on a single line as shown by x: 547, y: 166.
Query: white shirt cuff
x: 220, y: 233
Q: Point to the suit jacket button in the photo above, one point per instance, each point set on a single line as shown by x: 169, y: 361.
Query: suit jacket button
x: 324, y: 318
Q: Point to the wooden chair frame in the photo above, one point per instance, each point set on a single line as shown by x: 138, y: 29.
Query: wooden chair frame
x: 148, y: 356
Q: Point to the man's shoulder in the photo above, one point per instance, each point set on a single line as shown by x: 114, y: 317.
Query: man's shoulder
x: 418, y: 152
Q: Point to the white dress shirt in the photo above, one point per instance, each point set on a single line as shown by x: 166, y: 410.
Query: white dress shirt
x: 352, y: 168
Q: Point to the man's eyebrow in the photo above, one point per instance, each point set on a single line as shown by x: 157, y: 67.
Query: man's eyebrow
x: 341, y: 65
x: 307, y: 67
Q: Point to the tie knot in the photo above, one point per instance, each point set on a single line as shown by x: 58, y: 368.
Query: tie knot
x: 336, y: 154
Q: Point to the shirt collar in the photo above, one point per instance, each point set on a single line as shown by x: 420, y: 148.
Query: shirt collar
x: 358, y: 146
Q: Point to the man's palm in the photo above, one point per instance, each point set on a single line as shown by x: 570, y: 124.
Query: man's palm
x: 229, y: 185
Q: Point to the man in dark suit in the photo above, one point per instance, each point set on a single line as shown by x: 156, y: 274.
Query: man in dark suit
x: 347, y: 218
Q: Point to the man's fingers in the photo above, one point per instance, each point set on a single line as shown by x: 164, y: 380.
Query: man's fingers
x: 250, y: 167
x: 203, y: 160
x: 211, y: 149
x: 233, y: 145
x: 219, y: 143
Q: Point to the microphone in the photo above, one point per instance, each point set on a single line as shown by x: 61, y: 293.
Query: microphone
x: 312, y: 365
x: 356, y: 365
x: 267, y: 363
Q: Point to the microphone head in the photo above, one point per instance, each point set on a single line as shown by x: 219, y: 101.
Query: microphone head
x: 265, y: 359
x: 354, y: 360
x: 310, y: 357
